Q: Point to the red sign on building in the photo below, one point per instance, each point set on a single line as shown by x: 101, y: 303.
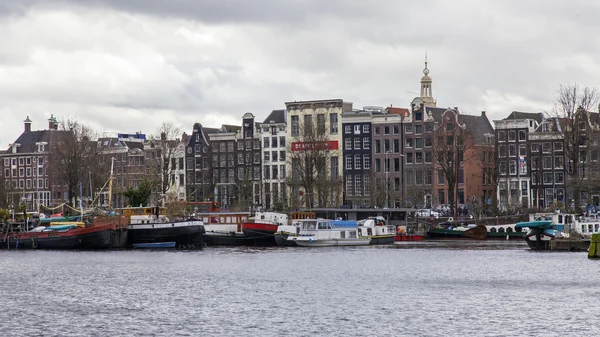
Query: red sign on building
x: 307, y: 146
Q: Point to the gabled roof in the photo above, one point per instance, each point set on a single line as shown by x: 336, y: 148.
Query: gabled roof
x: 436, y: 112
x: 134, y: 145
x: 400, y: 111
x: 29, y: 139
x: 478, y: 125
x: 107, y: 142
x: 230, y: 128
x: 208, y: 131
x: 556, y: 124
x: 537, y: 116
x: 276, y: 116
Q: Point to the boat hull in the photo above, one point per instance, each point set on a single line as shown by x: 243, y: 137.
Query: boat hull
x: 281, y: 239
x: 382, y: 239
x: 408, y: 237
x: 441, y: 234
x: 225, y: 239
x: 317, y: 242
x: 260, y: 234
x: 92, y: 238
x: 185, y: 235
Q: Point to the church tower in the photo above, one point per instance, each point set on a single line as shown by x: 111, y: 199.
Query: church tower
x: 426, y: 95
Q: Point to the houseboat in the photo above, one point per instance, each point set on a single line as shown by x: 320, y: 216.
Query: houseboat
x: 261, y: 227
x: 224, y: 228
x: 63, y: 235
x: 325, y: 233
x: 376, y: 229
x: 557, y: 231
x: 149, y: 227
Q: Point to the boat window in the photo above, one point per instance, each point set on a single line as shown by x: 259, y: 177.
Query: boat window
x: 309, y: 225
x: 590, y: 228
x: 509, y: 229
x: 501, y: 230
x: 583, y: 228
x: 322, y: 225
x: 493, y: 230
x: 560, y: 219
x: 342, y: 234
x: 369, y: 231
x: 596, y: 228
x: 352, y: 234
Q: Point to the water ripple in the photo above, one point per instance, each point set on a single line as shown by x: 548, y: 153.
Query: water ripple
x: 440, y: 290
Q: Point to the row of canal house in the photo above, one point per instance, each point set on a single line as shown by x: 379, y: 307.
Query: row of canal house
x: 369, y: 157
x: 375, y: 156
x: 533, y: 160
x: 390, y: 155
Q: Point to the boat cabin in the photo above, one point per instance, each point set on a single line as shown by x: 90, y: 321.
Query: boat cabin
x: 311, y: 225
x: 303, y: 215
x: 586, y: 225
x: 280, y: 219
x: 155, y: 211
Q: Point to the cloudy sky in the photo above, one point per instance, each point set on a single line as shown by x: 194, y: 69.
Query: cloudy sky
x: 128, y: 65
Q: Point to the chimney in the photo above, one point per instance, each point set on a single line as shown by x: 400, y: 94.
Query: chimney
x: 482, y: 113
x: 163, y: 136
x: 51, y: 123
x: 27, y: 123
x: 184, y: 138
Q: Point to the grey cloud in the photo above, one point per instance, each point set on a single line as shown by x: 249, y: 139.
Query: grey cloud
x: 209, y: 61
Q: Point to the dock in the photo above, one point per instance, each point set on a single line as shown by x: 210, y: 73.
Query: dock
x: 569, y: 245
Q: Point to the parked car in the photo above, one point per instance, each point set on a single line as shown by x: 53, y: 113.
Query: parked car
x: 426, y: 213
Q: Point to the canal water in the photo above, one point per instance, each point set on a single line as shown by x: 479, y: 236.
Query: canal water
x: 417, y: 289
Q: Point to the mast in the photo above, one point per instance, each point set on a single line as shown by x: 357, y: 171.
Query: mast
x: 80, y: 200
x: 110, y: 179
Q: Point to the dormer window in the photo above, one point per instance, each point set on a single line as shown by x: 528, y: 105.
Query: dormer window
x: 546, y: 127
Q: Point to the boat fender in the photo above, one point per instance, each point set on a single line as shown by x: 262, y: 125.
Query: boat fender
x: 204, y: 245
x: 172, y: 225
x: 192, y: 246
x: 34, y: 244
x: 17, y: 244
x: 310, y: 240
x: 181, y: 246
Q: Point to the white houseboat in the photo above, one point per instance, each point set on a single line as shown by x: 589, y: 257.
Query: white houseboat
x: 324, y: 233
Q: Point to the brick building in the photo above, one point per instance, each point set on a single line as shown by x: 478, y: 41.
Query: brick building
x: 25, y: 167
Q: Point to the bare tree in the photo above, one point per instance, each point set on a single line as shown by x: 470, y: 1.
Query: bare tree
x: 73, y: 155
x: 573, y: 107
x: 453, y: 148
x: 244, y: 190
x: 379, y: 192
x: 168, y: 150
x: 311, y: 157
x: 3, y: 192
